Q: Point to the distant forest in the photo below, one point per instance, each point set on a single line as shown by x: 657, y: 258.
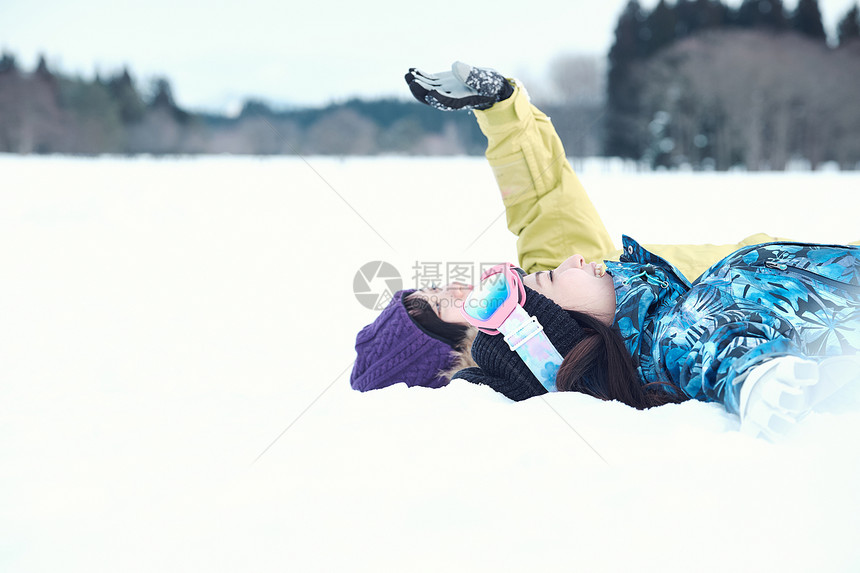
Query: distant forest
x: 692, y: 83
x: 698, y: 83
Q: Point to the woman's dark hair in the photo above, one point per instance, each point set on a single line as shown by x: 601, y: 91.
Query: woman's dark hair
x: 600, y: 366
x: 422, y: 313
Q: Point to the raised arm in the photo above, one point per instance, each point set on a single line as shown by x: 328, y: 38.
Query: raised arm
x: 546, y: 205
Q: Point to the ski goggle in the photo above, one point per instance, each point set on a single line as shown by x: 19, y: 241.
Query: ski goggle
x: 495, y: 306
x: 493, y: 300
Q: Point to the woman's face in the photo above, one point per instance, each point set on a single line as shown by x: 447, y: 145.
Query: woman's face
x: 446, y: 301
x: 575, y: 285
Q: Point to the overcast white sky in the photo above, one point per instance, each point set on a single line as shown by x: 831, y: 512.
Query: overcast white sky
x: 286, y: 51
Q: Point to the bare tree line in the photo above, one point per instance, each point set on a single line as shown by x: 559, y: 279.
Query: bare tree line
x: 741, y: 97
x: 46, y: 112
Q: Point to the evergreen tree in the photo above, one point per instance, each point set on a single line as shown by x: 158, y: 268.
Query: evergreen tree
x: 42, y: 75
x: 42, y: 68
x: 687, y: 18
x: 7, y: 63
x: 660, y: 25
x: 806, y: 19
x: 761, y: 14
x: 131, y: 105
x: 849, y: 26
x: 710, y: 14
x: 42, y: 116
x: 255, y: 108
x: 630, y: 37
x: 163, y: 100
x: 776, y: 17
x: 12, y: 98
x: 163, y: 94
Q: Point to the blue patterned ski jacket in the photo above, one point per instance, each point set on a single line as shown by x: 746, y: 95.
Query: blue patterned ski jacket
x: 760, y: 302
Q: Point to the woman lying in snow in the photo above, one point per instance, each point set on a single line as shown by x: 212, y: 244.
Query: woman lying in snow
x: 420, y: 338
x: 761, y: 292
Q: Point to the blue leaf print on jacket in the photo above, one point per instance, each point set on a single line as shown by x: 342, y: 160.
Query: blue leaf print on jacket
x: 760, y: 302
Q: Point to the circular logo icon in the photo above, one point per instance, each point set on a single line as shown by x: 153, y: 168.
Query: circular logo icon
x: 375, y: 284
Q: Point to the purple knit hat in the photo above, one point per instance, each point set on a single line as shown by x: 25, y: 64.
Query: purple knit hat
x: 393, y: 348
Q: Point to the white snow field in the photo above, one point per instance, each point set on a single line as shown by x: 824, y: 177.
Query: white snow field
x: 176, y: 337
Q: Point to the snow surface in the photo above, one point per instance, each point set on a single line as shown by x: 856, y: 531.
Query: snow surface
x: 175, y: 342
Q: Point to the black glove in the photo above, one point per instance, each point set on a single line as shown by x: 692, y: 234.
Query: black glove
x: 464, y: 87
